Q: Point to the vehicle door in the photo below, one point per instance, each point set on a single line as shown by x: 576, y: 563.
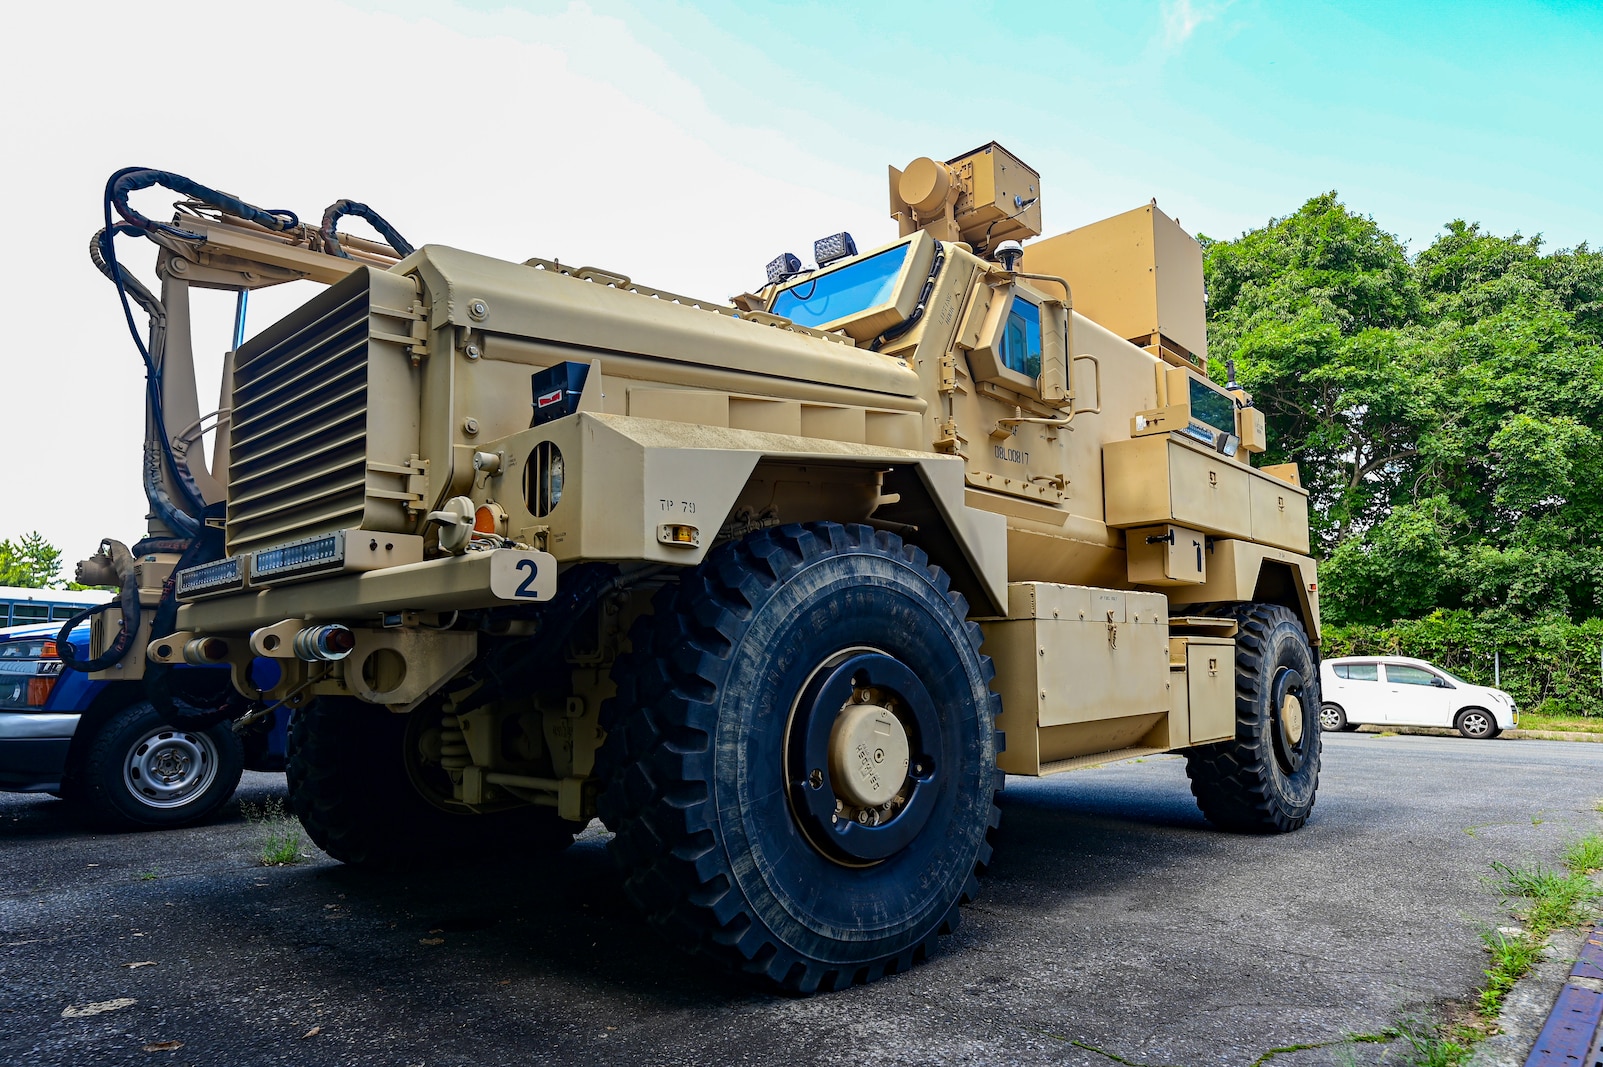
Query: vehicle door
x: 1359, y: 691
x: 1416, y: 697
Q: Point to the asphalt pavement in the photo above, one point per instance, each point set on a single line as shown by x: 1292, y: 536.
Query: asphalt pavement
x: 1114, y: 927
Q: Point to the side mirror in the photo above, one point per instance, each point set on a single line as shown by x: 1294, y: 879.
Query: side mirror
x: 1440, y: 683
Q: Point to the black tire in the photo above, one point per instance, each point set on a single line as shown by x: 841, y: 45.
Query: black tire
x: 350, y: 787
x: 1264, y: 781
x: 140, y: 774
x: 1477, y: 724
x: 1332, y: 718
x: 721, y: 804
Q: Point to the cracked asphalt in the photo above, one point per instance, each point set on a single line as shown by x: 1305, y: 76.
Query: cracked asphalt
x: 1115, y: 927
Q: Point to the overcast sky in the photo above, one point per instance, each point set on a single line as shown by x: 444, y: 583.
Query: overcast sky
x: 687, y: 144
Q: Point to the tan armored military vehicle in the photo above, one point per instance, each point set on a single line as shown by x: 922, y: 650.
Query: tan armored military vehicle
x: 764, y: 585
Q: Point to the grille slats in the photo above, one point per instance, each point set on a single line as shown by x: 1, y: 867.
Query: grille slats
x: 298, y: 431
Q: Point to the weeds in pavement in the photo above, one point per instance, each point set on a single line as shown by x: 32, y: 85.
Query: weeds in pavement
x: 1546, y: 900
x: 281, y: 840
x: 1585, y: 856
x: 1431, y: 1048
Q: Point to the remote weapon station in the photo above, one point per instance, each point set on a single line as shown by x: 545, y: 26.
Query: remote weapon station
x: 762, y: 585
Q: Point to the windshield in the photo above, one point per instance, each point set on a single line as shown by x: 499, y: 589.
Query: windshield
x: 839, y: 294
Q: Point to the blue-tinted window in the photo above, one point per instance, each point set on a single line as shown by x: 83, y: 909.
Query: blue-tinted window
x: 1212, y: 407
x: 839, y: 294
x: 1021, y: 340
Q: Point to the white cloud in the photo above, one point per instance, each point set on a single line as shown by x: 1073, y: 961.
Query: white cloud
x: 1181, y: 19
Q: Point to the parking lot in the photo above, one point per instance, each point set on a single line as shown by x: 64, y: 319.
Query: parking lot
x: 1114, y: 926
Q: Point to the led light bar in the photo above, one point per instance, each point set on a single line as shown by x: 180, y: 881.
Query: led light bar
x: 783, y: 266
x: 297, y: 559
x: 219, y: 576
x: 333, y: 553
x: 827, y: 250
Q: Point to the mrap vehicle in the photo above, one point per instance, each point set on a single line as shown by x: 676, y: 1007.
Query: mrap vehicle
x: 765, y: 584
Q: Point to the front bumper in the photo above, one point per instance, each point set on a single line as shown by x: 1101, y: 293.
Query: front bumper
x: 33, y: 749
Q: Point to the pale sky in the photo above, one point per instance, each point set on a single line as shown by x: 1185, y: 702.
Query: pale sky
x: 687, y: 144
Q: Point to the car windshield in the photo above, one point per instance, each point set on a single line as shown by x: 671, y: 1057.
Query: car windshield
x: 838, y: 294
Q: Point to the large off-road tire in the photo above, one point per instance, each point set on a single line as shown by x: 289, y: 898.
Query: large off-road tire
x: 139, y: 773
x: 1264, y: 781
x: 350, y: 787
x: 790, y: 673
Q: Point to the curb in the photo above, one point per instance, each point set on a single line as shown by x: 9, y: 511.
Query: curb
x: 1514, y: 734
x: 1570, y: 1035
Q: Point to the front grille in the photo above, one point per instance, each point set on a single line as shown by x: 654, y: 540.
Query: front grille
x: 298, y: 438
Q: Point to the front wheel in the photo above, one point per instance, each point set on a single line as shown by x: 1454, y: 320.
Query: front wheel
x: 1332, y: 718
x: 1264, y: 780
x: 141, y: 774
x: 801, y: 759
x: 1476, y: 724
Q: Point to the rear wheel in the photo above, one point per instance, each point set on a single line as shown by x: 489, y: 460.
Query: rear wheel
x: 140, y: 773
x: 801, y: 759
x: 1476, y: 724
x: 1264, y: 780
x: 356, y: 786
x: 1332, y: 718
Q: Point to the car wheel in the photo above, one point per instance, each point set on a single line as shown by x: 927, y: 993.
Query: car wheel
x: 1265, y: 779
x: 1477, y: 724
x: 801, y: 758
x: 139, y: 773
x: 364, y: 799
x: 1332, y: 718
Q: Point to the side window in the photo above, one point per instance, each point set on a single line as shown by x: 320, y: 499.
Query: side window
x: 1021, y: 340
x: 1357, y: 672
x: 22, y: 613
x: 61, y: 612
x: 1399, y: 675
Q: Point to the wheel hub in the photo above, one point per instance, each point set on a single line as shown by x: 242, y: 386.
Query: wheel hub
x: 1286, y: 708
x: 862, y: 781
x: 1291, y: 715
x: 168, y: 767
x: 868, y: 755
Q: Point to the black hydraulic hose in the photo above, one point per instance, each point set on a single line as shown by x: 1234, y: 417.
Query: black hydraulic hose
x: 918, y: 310
x: 340, y: 208
x: 122, y: 562
x: 103, y: 255
x: 132, y: 179
x: 159, y: 677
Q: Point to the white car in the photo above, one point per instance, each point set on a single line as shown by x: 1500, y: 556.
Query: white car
x: 1395, y: 691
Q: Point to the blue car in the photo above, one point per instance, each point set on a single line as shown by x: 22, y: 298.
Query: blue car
x: 103, y: 747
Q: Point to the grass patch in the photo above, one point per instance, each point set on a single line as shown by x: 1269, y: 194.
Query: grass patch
x: 279, y: 836
x: 1428, y: 1047
x: 1546, y: 900
x: 1585, y: 856
x: 1572, y: 724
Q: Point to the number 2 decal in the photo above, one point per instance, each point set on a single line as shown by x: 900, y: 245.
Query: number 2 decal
x: 526, y: 588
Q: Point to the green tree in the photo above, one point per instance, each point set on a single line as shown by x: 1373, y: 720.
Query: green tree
x: 1446, y: 411
x: 31, y: 562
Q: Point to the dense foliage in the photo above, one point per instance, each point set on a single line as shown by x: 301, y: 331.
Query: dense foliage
x: 1446, y: 408
x: 30, y: 562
